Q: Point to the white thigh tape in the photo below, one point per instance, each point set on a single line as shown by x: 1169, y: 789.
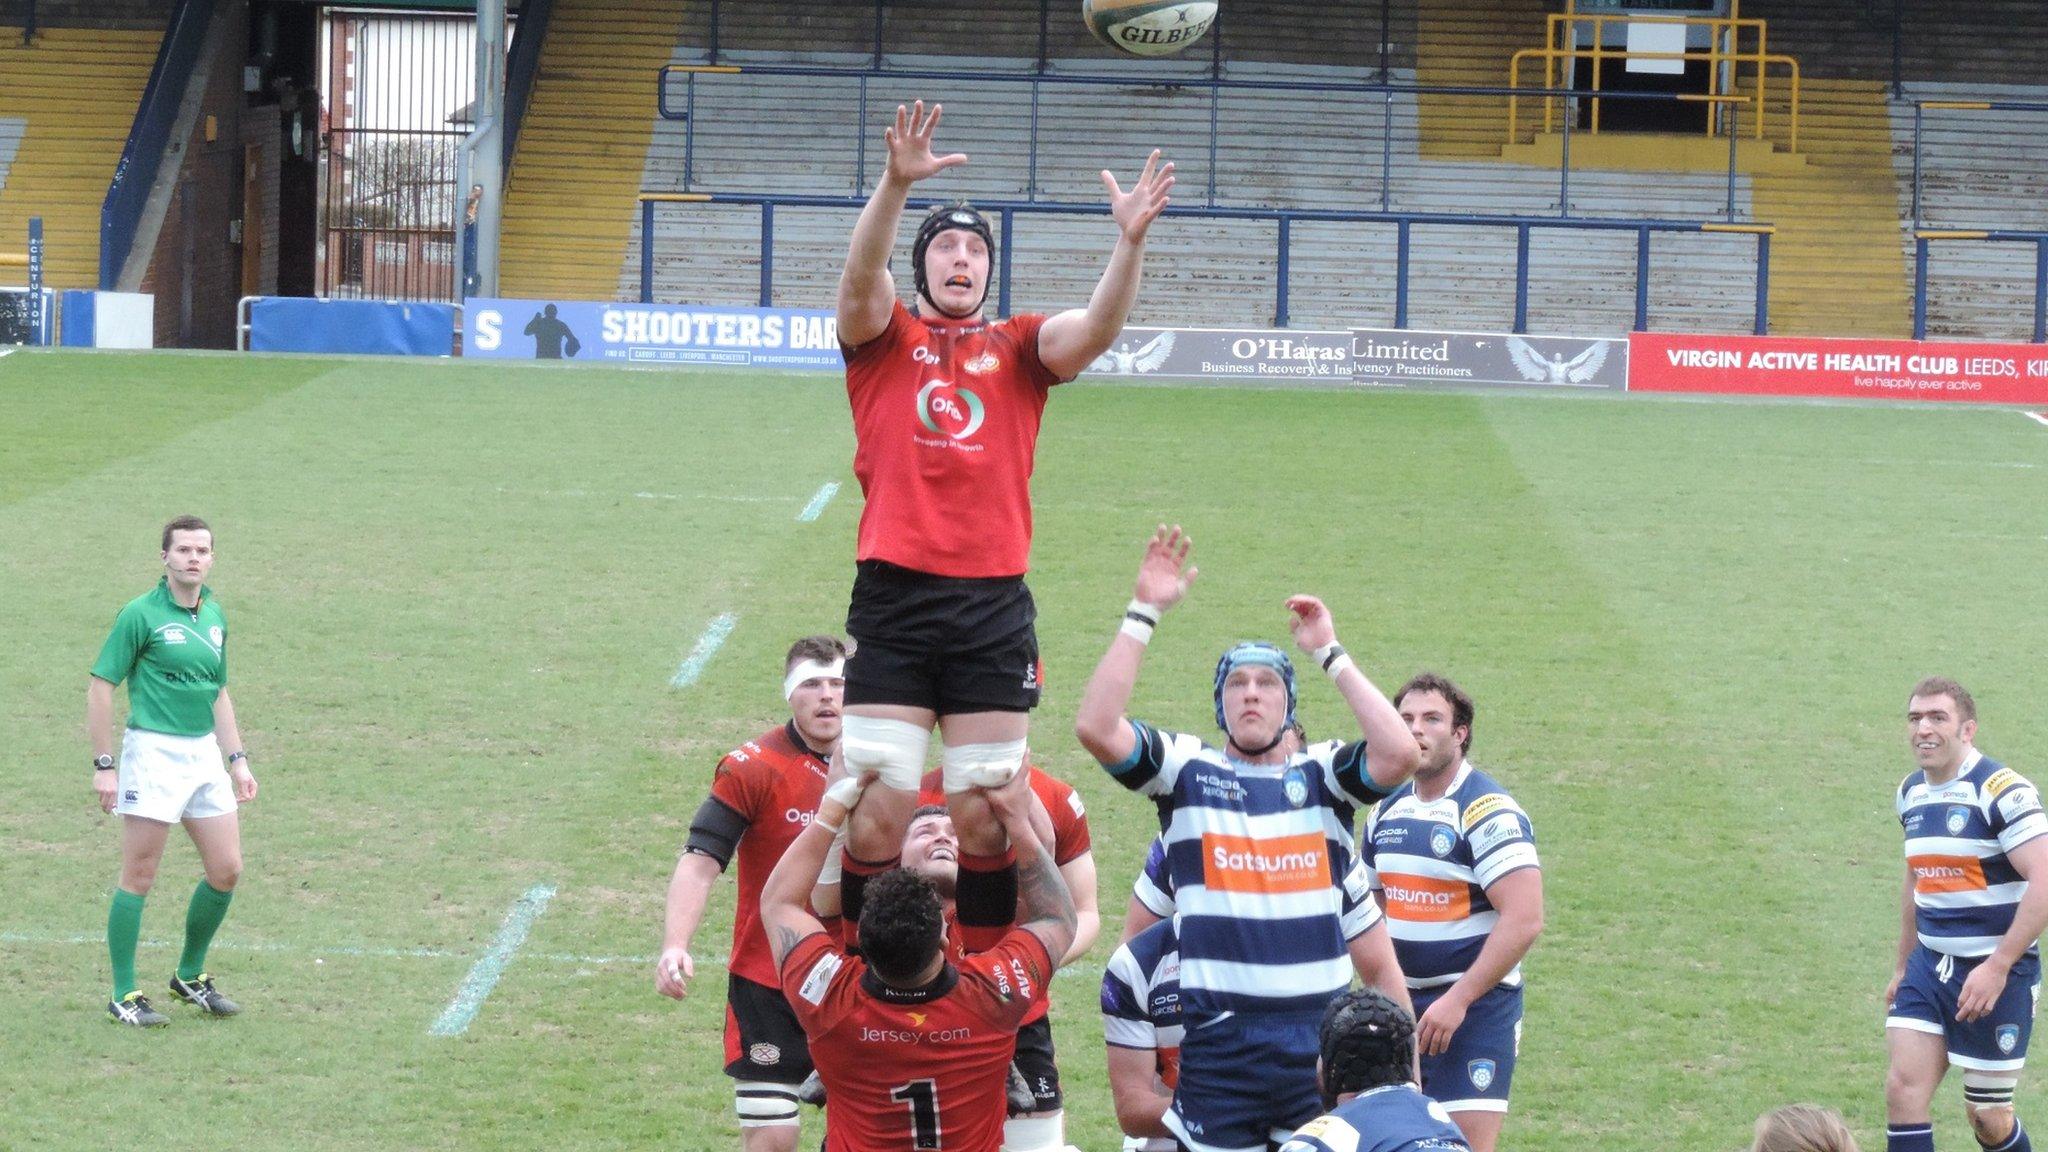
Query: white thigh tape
x: 964, y: 766
x: 894, y: 749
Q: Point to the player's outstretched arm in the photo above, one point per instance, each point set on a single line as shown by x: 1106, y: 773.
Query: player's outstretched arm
x: 1047, y: 907
x: 785, y: 898
x: 1391, y: 754
x: 1163, y: 578
x: 867, y: 292
x: 1070, y: 341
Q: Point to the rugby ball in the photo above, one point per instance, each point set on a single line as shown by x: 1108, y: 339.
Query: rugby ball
x: 1148, y: 27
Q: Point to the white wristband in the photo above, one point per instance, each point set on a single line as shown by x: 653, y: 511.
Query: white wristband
x: 1337, y: 666
x: 1140, y: 619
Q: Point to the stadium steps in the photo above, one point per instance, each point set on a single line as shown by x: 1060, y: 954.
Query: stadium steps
x: 1980, y: 169
x: 74, y: 91
x: 1836, y: 263
x: 1461, y: 43
x: 572, y: 198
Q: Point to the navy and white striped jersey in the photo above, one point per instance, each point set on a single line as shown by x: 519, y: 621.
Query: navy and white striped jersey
x: 1965, y: 889
x: 1395, y: 1118
x: 1433, y: 861
x: 1255, y: 852
x: 1154, y: 890
x: 1141, y: 1009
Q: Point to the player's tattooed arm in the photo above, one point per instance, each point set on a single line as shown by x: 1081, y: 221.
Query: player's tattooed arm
x: 1048, y: 904
x: 782, y: 940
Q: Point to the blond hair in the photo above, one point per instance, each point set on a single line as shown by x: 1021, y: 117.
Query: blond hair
x: 1802, y: 1128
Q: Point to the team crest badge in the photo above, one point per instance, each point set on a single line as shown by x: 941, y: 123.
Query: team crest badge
x: 1441, y: 841
x: 2008, y: 1038
x: 765, y: 1054
x: 214, y: 633
x: 1295, y: 785
x: 983, y: 364
x: 1958, y: 819
x: 1481, y: 1073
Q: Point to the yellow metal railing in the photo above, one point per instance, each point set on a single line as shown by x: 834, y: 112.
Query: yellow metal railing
x: 1726, y: 38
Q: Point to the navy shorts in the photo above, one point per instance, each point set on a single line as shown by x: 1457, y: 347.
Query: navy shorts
x: 1246, y: 1080
x: 1926, y: 1002
x: 1474, y: 1073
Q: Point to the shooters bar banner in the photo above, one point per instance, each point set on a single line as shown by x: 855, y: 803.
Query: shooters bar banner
x: 620, y: 333
x: 1407, y: 358
x: 1858, y: 369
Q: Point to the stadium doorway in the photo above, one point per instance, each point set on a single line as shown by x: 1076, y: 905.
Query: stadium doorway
x: 396, y: 88
x: 1647, y: 37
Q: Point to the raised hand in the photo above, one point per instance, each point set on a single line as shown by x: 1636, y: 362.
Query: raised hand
x: 1164, y: 574
x: 1310, y: 622
x: 910, y: 144
x: 1135, y: 210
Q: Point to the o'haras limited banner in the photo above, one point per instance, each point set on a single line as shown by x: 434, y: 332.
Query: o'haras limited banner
x: 617, y: 333
x: 1228, y: 354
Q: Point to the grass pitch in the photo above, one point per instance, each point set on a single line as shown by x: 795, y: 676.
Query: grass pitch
x: 459, y: 592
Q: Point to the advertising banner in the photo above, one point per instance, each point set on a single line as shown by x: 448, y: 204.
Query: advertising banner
x: 1228, y: 354
x: 1855, y: 369
x: 369, y: 327
x: 1407, y: 358
x: 619, y: 333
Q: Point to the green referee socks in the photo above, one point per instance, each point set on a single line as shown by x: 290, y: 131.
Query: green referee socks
x: 208, y: 908
x: 124, y: 928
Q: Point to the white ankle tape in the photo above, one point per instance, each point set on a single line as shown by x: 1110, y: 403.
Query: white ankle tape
x: 895, y: 749
x: 964, y: 766
x: 1046, y: 1133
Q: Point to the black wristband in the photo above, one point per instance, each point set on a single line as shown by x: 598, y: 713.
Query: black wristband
x: 1336, y: 651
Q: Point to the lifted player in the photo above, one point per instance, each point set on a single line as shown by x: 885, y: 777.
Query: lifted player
x: 946, y: 410
x: 1970, y: 922
x: 761, y: 797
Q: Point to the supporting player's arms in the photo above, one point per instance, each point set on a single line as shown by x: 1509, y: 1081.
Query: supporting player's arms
x: 1163, y: 579
x: 1982, y: 987
x: 1372, y: 955
x: 1070, y: 341
x: 867, y: 293
x: 1047, y: 906
x: 785, y: 898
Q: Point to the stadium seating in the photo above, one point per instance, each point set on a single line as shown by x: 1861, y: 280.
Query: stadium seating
x: 72, y: 92
x: 1841, y: 259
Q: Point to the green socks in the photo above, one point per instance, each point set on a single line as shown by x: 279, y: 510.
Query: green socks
x: 124, y: 928
x: 208, y: 908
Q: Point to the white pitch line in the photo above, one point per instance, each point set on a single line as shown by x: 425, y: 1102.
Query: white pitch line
x: 708, y: 644
x: 817, y: 505
x: 483, y: 975
x: 2036, y: 417
x: 8, y: 351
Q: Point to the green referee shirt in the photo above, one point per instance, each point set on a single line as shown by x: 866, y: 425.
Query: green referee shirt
x: 175, y: 660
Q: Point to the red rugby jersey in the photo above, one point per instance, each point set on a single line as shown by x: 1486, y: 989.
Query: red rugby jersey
x: 922, y: 1070
x: 776, y: 783
x: 946, y: 417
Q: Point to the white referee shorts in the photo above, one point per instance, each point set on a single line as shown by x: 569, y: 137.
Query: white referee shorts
x: 171, y: 778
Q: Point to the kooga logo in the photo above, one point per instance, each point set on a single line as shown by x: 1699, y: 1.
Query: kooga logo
x: 1405, y: 350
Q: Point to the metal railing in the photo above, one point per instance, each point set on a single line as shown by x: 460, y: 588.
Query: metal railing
x: 155, y: 115
x: 684, y: 109
x: 1716, y: 101
x: 1404, y: 223
x: 1923, y: 236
